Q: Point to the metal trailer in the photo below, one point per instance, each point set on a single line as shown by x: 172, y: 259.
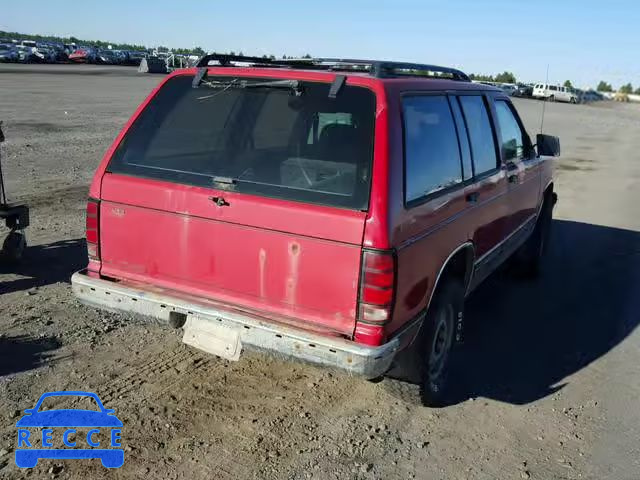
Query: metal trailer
x: 16, y: 217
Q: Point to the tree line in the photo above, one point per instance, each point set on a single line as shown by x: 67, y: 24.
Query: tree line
x: 627, y: 88
x: 504, y: 77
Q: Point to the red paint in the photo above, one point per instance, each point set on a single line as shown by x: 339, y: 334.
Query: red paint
x: 303, y: 262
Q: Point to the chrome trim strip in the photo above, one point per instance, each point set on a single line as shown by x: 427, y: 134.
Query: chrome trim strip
x: 506, y: 239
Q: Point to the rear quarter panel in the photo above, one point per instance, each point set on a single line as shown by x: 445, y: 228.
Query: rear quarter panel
x: 424, y: 236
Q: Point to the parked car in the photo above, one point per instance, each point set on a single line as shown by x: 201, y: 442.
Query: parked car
x: 523, y: 90
x: 82, y: 55
x: 591, y: 96
x: 27, y: 54
x: 508, y: 88
x: 46, y: 53
x: 108, y: 57
x: 336, y: 212
x: 29, y: 43
x: 134, y: 58
x: 8, y: 53
x: 555, y: 93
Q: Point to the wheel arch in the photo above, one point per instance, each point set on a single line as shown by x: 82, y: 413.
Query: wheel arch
x: 458, y: 265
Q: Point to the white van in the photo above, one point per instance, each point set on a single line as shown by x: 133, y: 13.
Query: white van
x: 555, y: 93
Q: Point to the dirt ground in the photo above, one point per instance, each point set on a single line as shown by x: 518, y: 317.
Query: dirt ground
x: 548, y: 380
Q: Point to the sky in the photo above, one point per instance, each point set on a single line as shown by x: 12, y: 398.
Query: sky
x: 582, y: 41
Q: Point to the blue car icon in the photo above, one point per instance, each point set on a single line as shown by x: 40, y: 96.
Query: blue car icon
x: 70, y: 418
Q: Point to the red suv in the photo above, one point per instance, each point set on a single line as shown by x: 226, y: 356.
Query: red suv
x: 334, y: 211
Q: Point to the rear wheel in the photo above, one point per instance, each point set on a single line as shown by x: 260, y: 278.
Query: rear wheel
x: 552, y: 98
x: 430, y: 356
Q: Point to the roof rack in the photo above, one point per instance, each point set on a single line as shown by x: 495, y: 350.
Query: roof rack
x: 376, y: 68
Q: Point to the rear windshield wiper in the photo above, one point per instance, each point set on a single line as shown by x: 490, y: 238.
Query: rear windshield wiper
x: 294, y: 85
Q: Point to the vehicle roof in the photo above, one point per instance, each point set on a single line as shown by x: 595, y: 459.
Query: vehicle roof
x: 403, y: 83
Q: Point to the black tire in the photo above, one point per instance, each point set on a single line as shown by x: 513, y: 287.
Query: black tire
x: 552, y: 98
x: 528, y: 259
x: 423, y: 370
x: 13, y: 247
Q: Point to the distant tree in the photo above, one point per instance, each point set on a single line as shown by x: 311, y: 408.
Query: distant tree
x: 481, y: 77
x: 232, y: 52
x: 506, y: 77
x: 626, y: 88
x: 568, y: 84
x: 306, y: 55
x: 604, y: 87
x: 637, y: 92
x: 272, y: 57
x: 240, y: 53
x: 198, y: 51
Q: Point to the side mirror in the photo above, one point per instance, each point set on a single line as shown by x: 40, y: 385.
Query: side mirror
x: 548, y: 145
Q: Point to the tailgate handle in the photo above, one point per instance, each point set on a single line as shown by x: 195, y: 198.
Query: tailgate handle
x: 219, y: 201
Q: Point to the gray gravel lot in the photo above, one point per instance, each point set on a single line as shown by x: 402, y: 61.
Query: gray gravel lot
x: 548, y: 378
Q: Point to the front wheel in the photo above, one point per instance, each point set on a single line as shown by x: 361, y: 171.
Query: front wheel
x: 528, y: 258
x: 432, y: 349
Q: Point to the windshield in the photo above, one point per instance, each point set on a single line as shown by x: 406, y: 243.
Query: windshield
x: 272, y: 140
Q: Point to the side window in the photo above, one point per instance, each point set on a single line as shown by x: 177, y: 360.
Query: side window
x: 483, y: 147
x: 432, y: 157
x: 553, y: 87
x: 463, y: 136
x: 511, y: 136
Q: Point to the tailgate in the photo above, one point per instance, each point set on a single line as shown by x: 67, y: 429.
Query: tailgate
x: 277, y: 257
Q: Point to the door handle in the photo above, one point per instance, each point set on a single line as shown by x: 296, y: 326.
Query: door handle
x: 512, y: 178
x: 472, y: 197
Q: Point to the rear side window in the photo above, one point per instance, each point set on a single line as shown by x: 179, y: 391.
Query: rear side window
x: 553, y: 87
x: 267, y: 139
x: 432, y: 155
x: 511, y: 136
x: 483, y: 147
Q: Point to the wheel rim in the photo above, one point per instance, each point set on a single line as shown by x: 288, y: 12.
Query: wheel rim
x: 441, y: 344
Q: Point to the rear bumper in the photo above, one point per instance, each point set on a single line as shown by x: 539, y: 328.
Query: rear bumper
x: 255, y: 332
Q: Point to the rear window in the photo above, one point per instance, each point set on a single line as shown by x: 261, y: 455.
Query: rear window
x: 272, y: 140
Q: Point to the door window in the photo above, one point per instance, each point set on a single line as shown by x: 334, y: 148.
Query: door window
x: 511, y: 135
x: 432, y: 155
x: 483, y: 147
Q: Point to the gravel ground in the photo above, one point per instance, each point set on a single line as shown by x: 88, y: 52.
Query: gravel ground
x: 547, y: 380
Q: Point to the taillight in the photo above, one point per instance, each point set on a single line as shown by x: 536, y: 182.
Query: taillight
x: 377, y: 291
x: 93, y: 229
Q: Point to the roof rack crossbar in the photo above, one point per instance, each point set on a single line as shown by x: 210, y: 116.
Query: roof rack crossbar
x: 376, y: 68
